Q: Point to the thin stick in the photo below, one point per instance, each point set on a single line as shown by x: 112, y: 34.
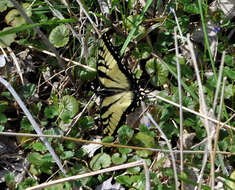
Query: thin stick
x: 204, y: 110
x: 66, y: 59
x: 218, y: 82
x: 195, y: 112
x: 33, y: 122
x: 181, y: 110
x: 110, y: 144
x: 169, y: 147
x: 89, y: 18
x: 76, y: 177
x: 147, y: 177
x: 38, y: 31
x: 218, y: 129
x: 13, y: 56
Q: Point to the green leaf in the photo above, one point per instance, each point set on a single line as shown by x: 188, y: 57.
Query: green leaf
x: 26, y: 125
x: 143, y: 51
x: 131, y: 21
x: 3, y: 118
x: 86, y: 122
x: 28, y: 90
x: 125, y: 150
x: 51, y: 111
x: 67, y: 155
x: 138, y: 21
x: 231, y: 183
x: 117, y: 159
x: 3, y: 105
x: 85, y: 74
x: 9, y: 177
x: 38, y: 146
x: 4, y: 4
x: 229, y: 91
x: 15, y: 19
x: 2, y: 128
x: 229, y: 73
x: 80, y: 153
x: 35, y: 158
x: 125, y: 180
x: 59, y: 36
x: 28, y: 182
x: 70, y: 145
x: 6, y: 40
x: 134, y: 170
x: 191, y: 7
x: 229, y: 60
x: 143, y: 153
x: 68, y: 108
x: 101, y: 160
x: 146, y: 141
x: 35, y: 170
x: 157, y: 71
x: 13, y: 30
x: 125, y: 133
x: 108, y: 139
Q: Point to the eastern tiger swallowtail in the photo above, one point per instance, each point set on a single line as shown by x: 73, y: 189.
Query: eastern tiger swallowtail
x: 119, y: 91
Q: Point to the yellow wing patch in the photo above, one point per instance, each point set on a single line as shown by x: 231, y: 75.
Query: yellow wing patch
x: 109, y: 66
x: 117, y: 105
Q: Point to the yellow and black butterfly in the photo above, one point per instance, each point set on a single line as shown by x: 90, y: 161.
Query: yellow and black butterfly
x: 119, y: 91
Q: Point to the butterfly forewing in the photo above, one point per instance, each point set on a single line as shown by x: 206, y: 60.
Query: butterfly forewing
x: 110, y: 75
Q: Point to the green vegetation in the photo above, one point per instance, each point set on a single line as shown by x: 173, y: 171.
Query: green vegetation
x: 60, y: 95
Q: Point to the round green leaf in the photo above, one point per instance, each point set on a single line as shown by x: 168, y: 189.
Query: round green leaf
x: 1, y: 128
x: 125, y: 134
x: 86, y: 122
x: 134, y: 170
x: 125, y: 150
x: 229, y: 91
x: 3, y: 118
x: 26, y: 125
x: 125, y: 180
x: 28, y: 182
x: 35, y: 158
x: 38, y: 146
x: 6, y: 40
x: 229, y: 60
x: 131, y: 23
x: 67, y: 155
x: 229, y: 73
x: 3, y: 105
x: 85, y: 74
x: 143, y: 153
x: 15, y: 19
x: 35, y: 170
x: 68, y: 108
x: 101, y: 160
x: 4, y: 4
x: 108, y: 139
x: 51, y: 111
x: 146, y: 141
x: 157, y: 71
x: 59, y: 36
x: 117, y: 159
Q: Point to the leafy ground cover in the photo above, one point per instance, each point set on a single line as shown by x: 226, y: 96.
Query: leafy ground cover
x: 182, y: 52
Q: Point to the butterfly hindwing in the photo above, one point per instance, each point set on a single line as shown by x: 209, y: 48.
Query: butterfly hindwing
x: 114, y: 109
